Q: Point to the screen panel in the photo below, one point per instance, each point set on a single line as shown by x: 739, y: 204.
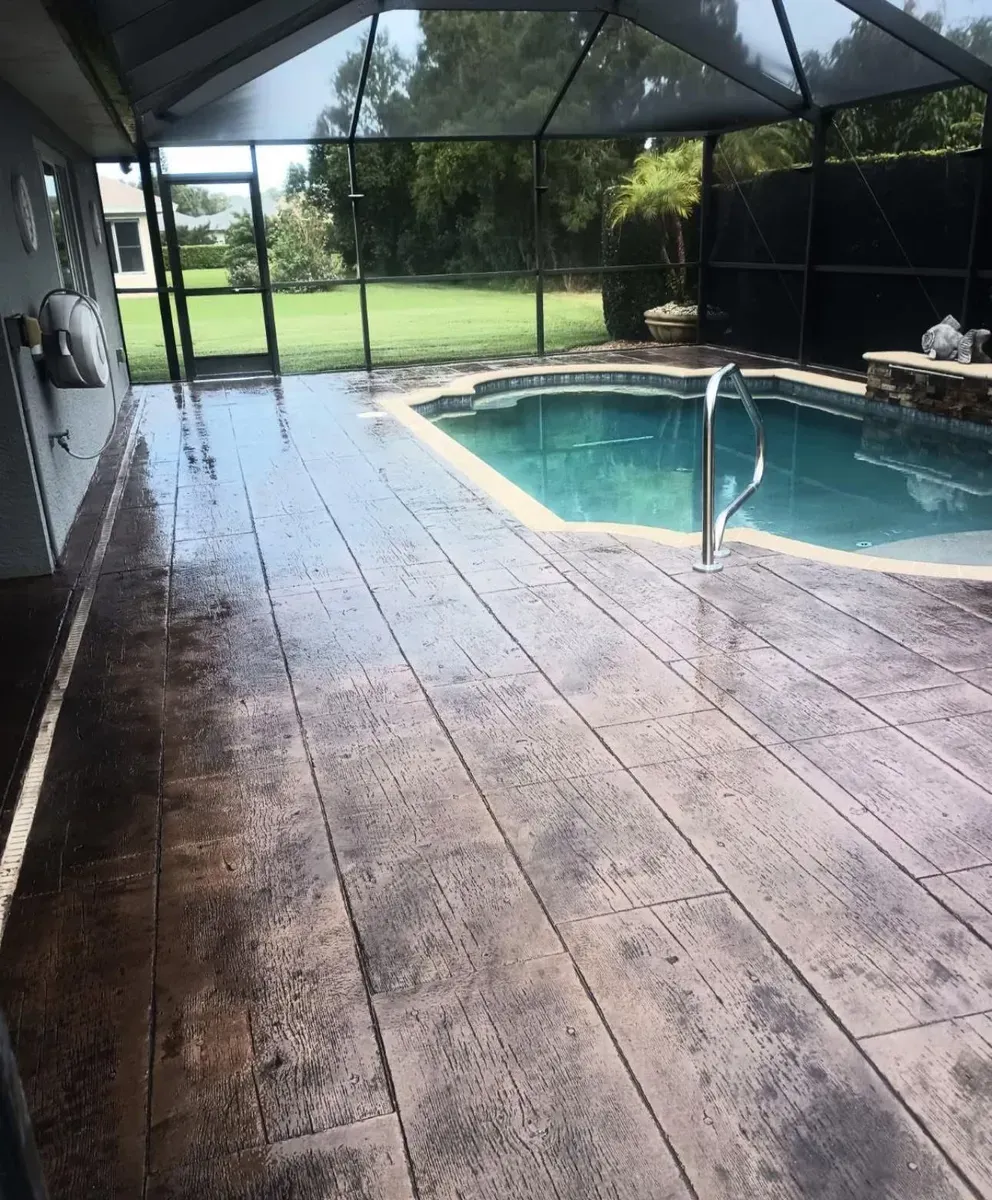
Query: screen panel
x: 204, y: 160
x: 318, y: 329
x: 907, y: 210
x: 310, y: 96
x: 761, y: 198
x: 634, y: 82
x: 845, y: 57
x: 440, y: 322
x: 755, y: 311
x: 480, y: 73
x: 968, y: 23
x: 742, y: 34
x: 436, y: 208
x: 573, y: 312
x: 881, y: 312
x: 141, y: 323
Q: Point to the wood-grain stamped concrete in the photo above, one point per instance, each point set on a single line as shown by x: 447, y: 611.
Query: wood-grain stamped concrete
x: 389, y: 849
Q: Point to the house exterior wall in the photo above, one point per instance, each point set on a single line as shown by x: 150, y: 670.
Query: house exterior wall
x: 41, y: 487
x: 136, y: 279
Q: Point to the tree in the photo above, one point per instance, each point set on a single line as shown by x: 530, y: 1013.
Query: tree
x: 196, y: 201
x: 297, y: 178
x: 949, y: 120
x: 463, y: 206
x: 195, y: 235
x: 459, y: 206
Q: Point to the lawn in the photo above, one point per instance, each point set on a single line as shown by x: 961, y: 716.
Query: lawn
x: 408, y: 322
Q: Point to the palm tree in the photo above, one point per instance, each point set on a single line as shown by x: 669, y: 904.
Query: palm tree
x: 665, y: 185
x: 662, y: 186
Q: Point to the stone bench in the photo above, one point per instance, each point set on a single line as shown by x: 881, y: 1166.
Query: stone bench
x: 950, y: 389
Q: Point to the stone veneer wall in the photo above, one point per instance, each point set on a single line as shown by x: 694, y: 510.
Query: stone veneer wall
x: 967, y: 398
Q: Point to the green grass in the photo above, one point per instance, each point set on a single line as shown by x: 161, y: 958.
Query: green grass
x: 408, y: 322
x: 203, y: 277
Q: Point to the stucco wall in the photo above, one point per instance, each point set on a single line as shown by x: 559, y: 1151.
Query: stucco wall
x: 24, y: 280
x: 137, y: 279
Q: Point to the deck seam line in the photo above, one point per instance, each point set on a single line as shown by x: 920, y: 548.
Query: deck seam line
x: 956, y: 871
x: 29, y: 793
x: 652, y: 904
x: 157, y: 886
x: 868, y: 1037
x: 360, y: 956
x: 912, y: 581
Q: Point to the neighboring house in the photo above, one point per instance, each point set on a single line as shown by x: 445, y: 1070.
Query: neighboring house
x: 127, y: 228
x: 127, y: 233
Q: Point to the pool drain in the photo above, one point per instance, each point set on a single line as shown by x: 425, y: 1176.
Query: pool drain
x: 862, y: 545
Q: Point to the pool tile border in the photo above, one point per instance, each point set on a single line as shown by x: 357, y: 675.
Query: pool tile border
x: 414, y: 410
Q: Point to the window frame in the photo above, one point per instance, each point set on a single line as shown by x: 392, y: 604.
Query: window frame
x: 65, y: 194
x: 115, y: 248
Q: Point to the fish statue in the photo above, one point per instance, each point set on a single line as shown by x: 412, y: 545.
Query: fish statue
x: 947, y: 343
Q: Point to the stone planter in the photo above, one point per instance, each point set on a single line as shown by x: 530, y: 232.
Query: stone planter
x: 671, y: 331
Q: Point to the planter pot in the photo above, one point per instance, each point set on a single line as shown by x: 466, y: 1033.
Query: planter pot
x: 672, y: 331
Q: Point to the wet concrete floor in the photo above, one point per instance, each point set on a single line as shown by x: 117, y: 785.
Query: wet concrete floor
x: 388, y: 849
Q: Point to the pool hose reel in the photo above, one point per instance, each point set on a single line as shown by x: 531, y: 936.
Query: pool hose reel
x: 73, y: 341
x: 75, y: 352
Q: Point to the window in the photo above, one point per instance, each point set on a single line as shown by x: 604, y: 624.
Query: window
x: 63, y: 222
x: 124, y: 240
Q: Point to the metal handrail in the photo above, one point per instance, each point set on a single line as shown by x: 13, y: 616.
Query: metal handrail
x: 713, y: 530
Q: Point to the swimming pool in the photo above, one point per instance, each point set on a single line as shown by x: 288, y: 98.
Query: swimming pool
x: 852, y: 479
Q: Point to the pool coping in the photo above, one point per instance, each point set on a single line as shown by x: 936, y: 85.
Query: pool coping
x: 531, y: 513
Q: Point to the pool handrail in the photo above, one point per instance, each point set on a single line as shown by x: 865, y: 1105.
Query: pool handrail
x: 714, y: 529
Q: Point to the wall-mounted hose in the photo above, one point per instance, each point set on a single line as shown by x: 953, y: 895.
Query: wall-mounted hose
x: 62, y: 349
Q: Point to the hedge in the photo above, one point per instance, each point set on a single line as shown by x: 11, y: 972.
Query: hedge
x: 198, y: 258
x: 626, y: 295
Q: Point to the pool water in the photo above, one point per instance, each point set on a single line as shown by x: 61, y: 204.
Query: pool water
x: 843, y: 479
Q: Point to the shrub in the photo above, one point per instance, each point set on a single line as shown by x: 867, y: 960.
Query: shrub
x: 240, y: 256
x: 243, y: 274
x: 299, y: 245
x: 198, y: 258
x: 626, y: 295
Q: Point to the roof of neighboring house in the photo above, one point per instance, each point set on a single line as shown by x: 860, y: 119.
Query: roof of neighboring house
x: 217, y: 222
x: 236, y: 205
x: 119, y: 197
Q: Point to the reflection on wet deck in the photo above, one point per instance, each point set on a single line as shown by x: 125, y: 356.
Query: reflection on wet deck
x: 389, y: 849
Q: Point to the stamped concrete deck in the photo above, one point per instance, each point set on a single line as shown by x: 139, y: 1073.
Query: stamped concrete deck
x: 388, y: 849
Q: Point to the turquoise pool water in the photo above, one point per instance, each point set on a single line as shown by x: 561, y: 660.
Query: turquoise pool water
x: 849, y: 480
